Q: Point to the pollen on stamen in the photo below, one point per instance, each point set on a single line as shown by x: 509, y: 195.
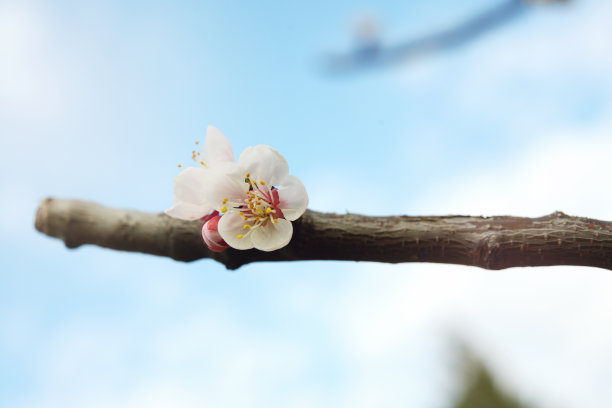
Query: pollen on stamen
x: 224, y: 209
x: 248, y: 175
x: 225, y: 200
x: 180, y: 165
x: 268, y: 210
x: 246, y: 226
x: 239, y: 236
x: 262, y: 182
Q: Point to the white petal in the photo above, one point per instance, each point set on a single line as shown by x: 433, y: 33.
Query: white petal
x: 217, y: 149
x: 189, y: 195
x: 226, y: 180
x: 186, y: 211
x: 230, y: 226
x: 272, y: 235
x: 293, y: 198
x: 189, y: 185
x: 264, y: 163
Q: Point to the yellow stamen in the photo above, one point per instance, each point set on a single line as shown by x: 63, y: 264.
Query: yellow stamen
x: 180, y: 165
x: 239, y: 236
x: 262, y: 182
x: 246, y: 226
x: 224, y: 209
x: 268, y: 210
x: 248, y: 175
x: 275, y: 220
x: 225, y: 200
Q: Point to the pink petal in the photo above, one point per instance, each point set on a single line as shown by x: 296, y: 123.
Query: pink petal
x: 211, y: 235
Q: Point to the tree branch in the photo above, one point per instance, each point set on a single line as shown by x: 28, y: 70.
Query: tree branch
x: 488, y: 242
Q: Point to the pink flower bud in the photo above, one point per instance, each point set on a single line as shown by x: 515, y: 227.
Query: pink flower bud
x: 211, y: 235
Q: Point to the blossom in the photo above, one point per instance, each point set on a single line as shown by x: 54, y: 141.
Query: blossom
x: 254, y: 200
x: 210, y: 233
x: 190, y: 203
x: 257, y: 197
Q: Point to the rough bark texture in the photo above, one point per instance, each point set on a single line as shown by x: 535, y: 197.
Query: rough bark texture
x: 488, y: 242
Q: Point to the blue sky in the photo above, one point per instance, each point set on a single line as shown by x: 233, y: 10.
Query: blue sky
x: 101, y: 100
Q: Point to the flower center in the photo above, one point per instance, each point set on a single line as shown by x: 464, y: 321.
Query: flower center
x: 259, y: 206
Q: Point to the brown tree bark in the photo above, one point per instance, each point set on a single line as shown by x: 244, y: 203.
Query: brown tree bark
x: 488, y: 242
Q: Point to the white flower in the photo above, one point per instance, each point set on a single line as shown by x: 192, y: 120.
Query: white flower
x: 258, y: 197
x: 189, y: 200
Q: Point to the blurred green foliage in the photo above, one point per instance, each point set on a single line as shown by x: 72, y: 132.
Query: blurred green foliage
x: 482, y: 391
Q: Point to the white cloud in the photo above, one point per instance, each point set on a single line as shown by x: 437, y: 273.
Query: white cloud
x: 565, y: 170
x: 32, y: 85
x: 208, y: 358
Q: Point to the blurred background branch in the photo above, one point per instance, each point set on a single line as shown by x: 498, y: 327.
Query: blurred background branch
x: 370, y: 51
